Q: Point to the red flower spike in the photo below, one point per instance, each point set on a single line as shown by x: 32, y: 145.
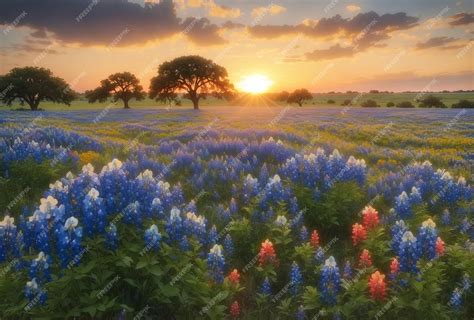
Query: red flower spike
x: 365, y: 259
x: 235, y: 310
x: 234, y: 276
x: 377, y: 286
x: 359, y: 234
x: 267, y: 253
x: 370, y: 217
x: 314, y: 239
x: 440, y: 246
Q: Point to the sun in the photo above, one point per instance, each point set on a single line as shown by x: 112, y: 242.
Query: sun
x: 255, y: 84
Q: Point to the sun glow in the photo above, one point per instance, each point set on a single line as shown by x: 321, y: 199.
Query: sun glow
x: 255, y: 84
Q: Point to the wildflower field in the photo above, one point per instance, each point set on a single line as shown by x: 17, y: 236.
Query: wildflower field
x: 232, y: 213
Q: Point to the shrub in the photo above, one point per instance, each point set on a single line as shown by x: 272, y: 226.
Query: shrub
x: 346, y: 102
x: 464, y: 104
x: 405, y: 104
x: 390, y: 104
x: 431, y: 102
x: 369, y: 104
x: 330, y: 101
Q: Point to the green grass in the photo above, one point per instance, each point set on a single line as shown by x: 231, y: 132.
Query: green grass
x: 319, y: 100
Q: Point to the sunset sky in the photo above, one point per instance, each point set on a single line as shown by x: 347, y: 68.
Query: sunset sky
x: 329, y: 45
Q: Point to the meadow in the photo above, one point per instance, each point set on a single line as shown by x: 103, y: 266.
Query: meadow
x: 319, y: 100
x: 237, y: 212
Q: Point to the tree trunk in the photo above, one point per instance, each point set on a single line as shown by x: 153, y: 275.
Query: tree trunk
x: 33, y: 105
x: 196, y: 104
x: 195, y: 101
x: 125, y: 104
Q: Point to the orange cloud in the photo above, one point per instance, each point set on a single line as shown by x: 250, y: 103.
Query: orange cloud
x: 272, y: 9
x: 215, y: 10
x: 353, y: 8
x: 219, y: 11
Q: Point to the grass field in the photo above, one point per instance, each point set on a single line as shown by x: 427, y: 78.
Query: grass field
x: 319, y: 100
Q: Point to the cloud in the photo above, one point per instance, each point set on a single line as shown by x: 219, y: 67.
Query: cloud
x: 272, y: 9
x: 202, y: 32
x: 104, y: 22
x: 353, y: 8
x: 94, y: 22
x: 437, y: 42
x: 362, y: 23
x: 363, y: 31
x: 232, y: 25
x: 333, y: 52
x: 219, y: 11
x: 462, y: 18
x: 214, y: 9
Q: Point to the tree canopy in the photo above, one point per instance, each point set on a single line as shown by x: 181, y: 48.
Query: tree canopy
x: 299, y: 96
x: 431, y: 101
x: 32, y: 85
x: 196, y: 76
x: 120, y: 86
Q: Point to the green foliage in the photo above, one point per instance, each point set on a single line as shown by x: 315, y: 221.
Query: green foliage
x: 464, y: 104
x: 405, y: 104
x: 335, y: 212
x: 32, y: 85
x: 369, y: 104
x: 197, y: 76
x: 299, y: 96
x: 431, y: 101
x: 25, y: 185
x: 124, y: 86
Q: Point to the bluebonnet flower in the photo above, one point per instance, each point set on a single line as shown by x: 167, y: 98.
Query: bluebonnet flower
x: 296, y: 278
x: 213, y: 235
x: 94, y: 213
x: 152, y: 238
x: 264, y: 175
x: 330, y: 282
x: 398, y: 230
x: 465, y: 225
x: 319, y: 255
x: 233, y: 207
x: 216, y: 264
x: 455, y: 301
x: 174, y: 226
x: 347, y: 270
x: 114, y: 186
x: 34, y: 292
x: 427, y: 237
x: 69, y: 242
x: 157, y: 209
x: 265, y: 289
x: 184, y: 244
x: 111, y: 237
x: 403, y: 206
x: 228, y: 245
x: 446, y: 217
x: 293, y: 208
x: 300, y: 314
x: 39, y: 268
x: 195, y: 226
x: 304, y: 235
x: 415, y: 196
x: 249, y: 188
x: 281, y: 221
x: 133, y: 214
x: 466, y: 282
x: 9, y: 245
x: 409, y: 253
